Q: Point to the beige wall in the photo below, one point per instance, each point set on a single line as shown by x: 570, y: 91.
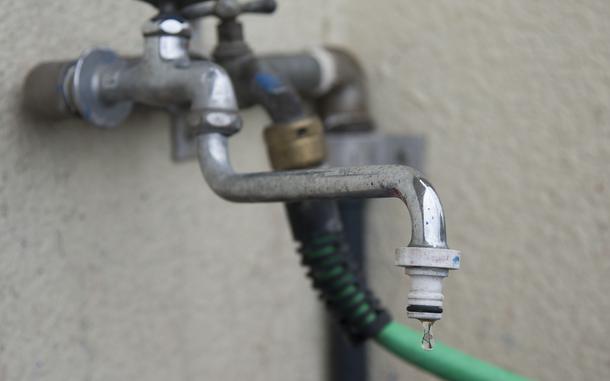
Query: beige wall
x: 117, y: 264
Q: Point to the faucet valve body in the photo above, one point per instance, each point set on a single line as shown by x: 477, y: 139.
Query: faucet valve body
x: 426, y: 267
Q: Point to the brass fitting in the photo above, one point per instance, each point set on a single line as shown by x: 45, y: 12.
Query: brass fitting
x: 296, y: 145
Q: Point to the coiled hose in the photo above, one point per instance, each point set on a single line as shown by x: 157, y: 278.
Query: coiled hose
x: 341, y: 287
x: 316, y: 225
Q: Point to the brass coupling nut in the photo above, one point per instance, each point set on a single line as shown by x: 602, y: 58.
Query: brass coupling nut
x: 296, y: 145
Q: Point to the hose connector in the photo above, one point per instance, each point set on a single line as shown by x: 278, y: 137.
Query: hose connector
x: 427, y: 267
x: 296, y: 145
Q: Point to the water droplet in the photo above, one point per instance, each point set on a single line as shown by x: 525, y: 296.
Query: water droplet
x: 427, y: 341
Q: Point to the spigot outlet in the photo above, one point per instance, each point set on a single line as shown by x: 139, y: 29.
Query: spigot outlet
x: 426, y: 267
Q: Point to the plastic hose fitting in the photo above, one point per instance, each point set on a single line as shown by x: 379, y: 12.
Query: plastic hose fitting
x: 426, y: 267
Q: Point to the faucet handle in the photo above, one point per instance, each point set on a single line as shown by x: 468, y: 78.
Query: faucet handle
x: 228, y: 9
x: 172, y: 5
x: 259, y: 6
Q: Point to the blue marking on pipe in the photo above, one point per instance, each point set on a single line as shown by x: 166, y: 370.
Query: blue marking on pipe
x: 268, y: 82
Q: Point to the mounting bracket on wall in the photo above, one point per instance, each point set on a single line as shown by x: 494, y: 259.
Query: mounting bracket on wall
x: 184, y: 142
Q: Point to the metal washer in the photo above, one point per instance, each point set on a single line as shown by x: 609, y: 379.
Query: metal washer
x: 85, y: 90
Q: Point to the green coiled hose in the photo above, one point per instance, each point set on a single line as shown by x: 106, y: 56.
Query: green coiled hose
x: 341, y: 287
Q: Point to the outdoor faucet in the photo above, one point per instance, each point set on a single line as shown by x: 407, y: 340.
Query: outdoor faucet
x: 304, y: 94
x: 101, y: 88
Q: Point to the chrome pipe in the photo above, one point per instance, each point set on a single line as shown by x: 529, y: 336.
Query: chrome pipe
x: 405, y: 183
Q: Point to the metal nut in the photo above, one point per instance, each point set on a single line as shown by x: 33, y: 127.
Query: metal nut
x: 296, y: 145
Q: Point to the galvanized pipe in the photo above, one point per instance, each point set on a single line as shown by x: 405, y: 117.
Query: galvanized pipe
x: 334, y: 79
x: 405, y: 183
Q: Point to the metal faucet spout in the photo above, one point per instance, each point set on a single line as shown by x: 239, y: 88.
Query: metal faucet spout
x: 405, y: 183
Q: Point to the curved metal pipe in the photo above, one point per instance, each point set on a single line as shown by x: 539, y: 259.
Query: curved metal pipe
x: 405, y: 183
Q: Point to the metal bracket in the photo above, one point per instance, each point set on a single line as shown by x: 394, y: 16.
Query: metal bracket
x: 347, y: 149
x: 183, y: 144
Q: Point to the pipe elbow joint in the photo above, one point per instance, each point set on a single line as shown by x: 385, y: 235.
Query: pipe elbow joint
x: 425, y: 209
x: 343, y: 93
x: 427, y: 260
x: 333, y: 78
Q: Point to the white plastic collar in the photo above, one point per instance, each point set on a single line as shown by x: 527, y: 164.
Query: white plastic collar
x: 428, y: 257
x: 328, y: 69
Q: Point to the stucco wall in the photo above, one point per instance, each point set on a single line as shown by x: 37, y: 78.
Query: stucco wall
x: 117, y: 264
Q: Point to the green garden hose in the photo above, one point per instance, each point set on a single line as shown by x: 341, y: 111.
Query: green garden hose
x: 443, y: 361
x: 341, y: 287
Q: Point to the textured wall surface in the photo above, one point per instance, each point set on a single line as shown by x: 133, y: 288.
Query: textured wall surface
x: 117, y: 264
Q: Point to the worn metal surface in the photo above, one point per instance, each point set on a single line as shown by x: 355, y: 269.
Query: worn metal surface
x: 405, y: 183
x: 172, y: 80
